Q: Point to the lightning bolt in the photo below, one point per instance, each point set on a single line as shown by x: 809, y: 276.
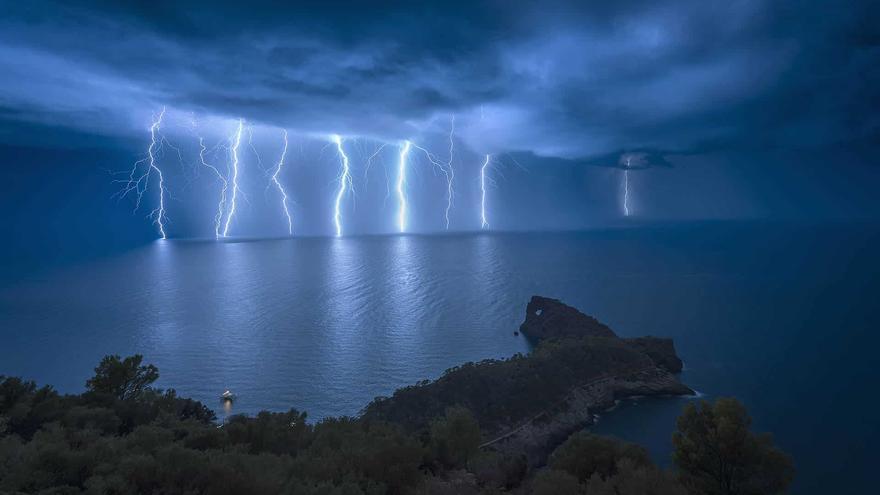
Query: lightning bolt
x: 225, y: 184
x: 344, y: 183
x: 445, y: 168
x: 160, y: 211
x: 401, y: 181
x: 138, y: 184
x: 370, y: 162
x: 280, y: 188
x: 626, y: 189
x: 450, y: 172
x: 236, y: 143
x: 254, y: 149
x: 484, y: 224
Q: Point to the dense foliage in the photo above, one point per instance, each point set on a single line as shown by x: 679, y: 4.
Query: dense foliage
x: 503, y: 392
x: 593, y: 465
x: 717, y: 453
x: 122, y: 437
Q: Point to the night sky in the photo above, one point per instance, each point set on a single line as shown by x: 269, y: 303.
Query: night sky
x: 753, y: 109
x: 749, y: 128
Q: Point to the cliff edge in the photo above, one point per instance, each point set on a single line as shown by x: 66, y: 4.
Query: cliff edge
x: 529, y: 404
x: 549, y: 318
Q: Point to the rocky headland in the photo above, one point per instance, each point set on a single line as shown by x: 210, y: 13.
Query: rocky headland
x: 530, y: 404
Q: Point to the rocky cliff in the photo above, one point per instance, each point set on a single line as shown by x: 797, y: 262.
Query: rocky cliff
x: 530, y: 404
x: 550, y: 318
x: 661, y: 351
x: 538, y: 436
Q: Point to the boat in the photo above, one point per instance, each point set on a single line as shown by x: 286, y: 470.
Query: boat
x: 227, y: 396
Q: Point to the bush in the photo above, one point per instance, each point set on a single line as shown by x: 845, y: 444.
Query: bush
x: 716, y: 453
x: 555, y: 482
x: 497, y: 470
x: 124, y: 437
x: 584, y: 455
x: 122, y: 378
x: 455, y: 437
x: 634, y: 479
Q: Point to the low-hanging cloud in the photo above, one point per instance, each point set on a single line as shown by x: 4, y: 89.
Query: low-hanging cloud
x: 566, y: 80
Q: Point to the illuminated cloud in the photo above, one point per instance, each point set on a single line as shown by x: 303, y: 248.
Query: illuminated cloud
x: 569, y: 80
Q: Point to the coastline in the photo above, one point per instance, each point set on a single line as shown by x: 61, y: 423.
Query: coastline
x: 541, y: 434
x: 579, y: 366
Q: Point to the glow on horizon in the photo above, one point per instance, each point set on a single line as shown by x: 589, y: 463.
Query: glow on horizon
x: 281, y: 188
x: 344, y: 183
x: 236, y: 143
x: 401, y: 182
x: 484, y: 224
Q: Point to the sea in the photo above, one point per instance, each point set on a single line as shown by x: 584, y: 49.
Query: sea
x: 783, y: 316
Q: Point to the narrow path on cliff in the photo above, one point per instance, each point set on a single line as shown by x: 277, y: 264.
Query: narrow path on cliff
x: 568, y: 396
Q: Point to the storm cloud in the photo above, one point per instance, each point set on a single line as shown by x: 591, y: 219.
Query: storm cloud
x: 572, y: 80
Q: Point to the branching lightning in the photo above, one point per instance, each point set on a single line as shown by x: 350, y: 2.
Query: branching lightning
x: 218, y: 218
x: 445, y: 168
x: 254, y: 150
x: 138, y: 184
x: 345, y: 183
x: 281, y: 188
x: 484, y: 224
x: 160, y: 211
x: 626, y: 188
x: 401, y: 181
x: 230, y: 191
x: 236, y: 143
x: 369, y: 162
x: 450, y: 171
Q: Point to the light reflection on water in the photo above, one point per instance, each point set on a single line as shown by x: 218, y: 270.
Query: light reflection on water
x: 324, y: 325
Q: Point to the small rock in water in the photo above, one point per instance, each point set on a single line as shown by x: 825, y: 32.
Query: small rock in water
x: 515, y: 332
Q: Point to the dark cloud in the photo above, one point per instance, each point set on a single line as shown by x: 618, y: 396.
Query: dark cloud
x: 586, y: 80
x: 634, y: 159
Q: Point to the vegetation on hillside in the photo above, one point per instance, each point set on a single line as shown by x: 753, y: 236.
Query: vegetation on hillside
x: 503, y: 392
x: 122, y: 436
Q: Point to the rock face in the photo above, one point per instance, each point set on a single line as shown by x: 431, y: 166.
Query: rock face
x: 661, y: 351
x: 530, y: 404
x: 550, y: 318
x: 539, y: 436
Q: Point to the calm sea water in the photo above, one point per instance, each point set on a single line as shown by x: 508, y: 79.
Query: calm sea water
x: 784, y: 317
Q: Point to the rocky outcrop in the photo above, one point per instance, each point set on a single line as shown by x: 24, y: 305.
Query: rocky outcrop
x: 549, y: 318
x: 541, y: 434
x: 661, y: 351
x: 530, y: 404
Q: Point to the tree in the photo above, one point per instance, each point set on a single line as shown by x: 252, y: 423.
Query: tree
x: 584, y: 455
x: 122, y: 378
x: 498, y: 470
x: 555, y: 482
x: 633, y: 479
x: 716, y: 453
x: 455, y: 437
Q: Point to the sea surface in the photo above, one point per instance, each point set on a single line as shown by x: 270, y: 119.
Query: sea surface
x: 782, y: 316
